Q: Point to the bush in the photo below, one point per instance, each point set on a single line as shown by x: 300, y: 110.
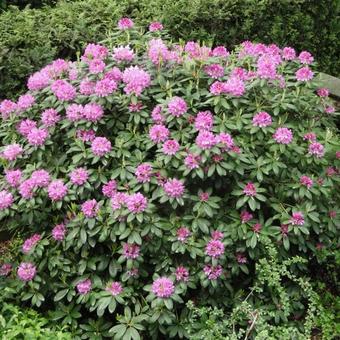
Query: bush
x: 31, y: 38
x: 142, y: 187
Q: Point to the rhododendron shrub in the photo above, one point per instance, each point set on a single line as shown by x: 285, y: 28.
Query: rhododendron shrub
x: 149, y: 173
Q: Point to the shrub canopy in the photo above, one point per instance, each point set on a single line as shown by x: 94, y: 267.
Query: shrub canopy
x: 147, y: 174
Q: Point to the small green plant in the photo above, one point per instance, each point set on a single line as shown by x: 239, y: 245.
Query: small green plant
x: 25, y: 324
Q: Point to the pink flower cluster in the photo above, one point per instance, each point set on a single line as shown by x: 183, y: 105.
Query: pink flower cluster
x: 79, y: 176
x: 283, y: 136
x: 213, y: 272
x: 58, y: 232
x: 174, y: 188
x: 262, y: 119
x: 143, y: 173
x: 250, y: 189
x: 131, y: 251
x: 297, y: 218
x: 57, y: 190
x: 177, y: 106
x: 90, y: 208
x: 26, y: 271
x: 182, y: 234
x: 110, y: 188
x: 136, y: 80
x: 84, y: 287
x: 6, y: 199
x: 306, y: 181
x: 136, y: 203
x: 214, y: 248
x: 163, y: 287
x: 30, y: 243
x: 115, y: 288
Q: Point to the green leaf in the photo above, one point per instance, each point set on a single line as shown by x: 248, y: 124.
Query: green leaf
x: 60, y: 294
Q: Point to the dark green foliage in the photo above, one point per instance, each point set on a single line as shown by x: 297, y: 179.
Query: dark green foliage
x: 32, y: 37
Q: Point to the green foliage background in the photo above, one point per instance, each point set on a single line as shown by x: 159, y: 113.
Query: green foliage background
x: 31, y: 37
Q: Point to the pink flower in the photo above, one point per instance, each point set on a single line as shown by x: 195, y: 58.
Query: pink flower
x: 12, y: 151
x: 25, y: 102
x: 115, y: 288
x: 118, y: 200
x: 90, y: 208
x: 240, y: 258
x: 38, y: 80
x: 84, y: 286
x: 125, y: 23
x: 158, y: 51
x: 155, y: 26
x: 110, y: 188
x: 156, y: 114
x: 25, y: 126
x: 135, y: 107
x: 304, y: 74
x: 307, y: 181
x: 213, y: 272
x: 136, y: 80
x: 159, y: 133
x: 93, y: 112
x: 163, y: 287
x: 105, y: 87
x: 337, y: 155
x: 283, y: 136
x: 74, y: 112
x: 114, y: 74
x: 13, y: 177
x: 217, y: 235
x: 94, y: 51
x: 257, y: 227
x: 284, y: 229
x: 220, y: 51
x: 26, y: 271
x: 86, y: 135
x: 249, y: 189
x: 246, y: 216
x: 316, y: 149
x: 50, y: 117
x: 288, y: 53
x: 5, y: 269
x: 330, y: 171
x: 57, y: 190
x: 37, y: 136
x: 311, y: 136
x: 30, y: 243
x: 170, y: 147
x: 191, y: 161
x: 266, y: 67
x: 79, y: 176
x: 174, y: 188
x: 226, y: 140
x: 86, y: 87
x: 63, y: 90
x: 7, y: 107
x: 143, y: 173
x: 214, y: 71
x: 131, y: 250
x: 182, y: 274
x: 329, y: 109
x: 100, y: 146
x: 136, y: 203
x: 204, y: 196
x: 177, y: 106
x: 182, y: 234
x: 6, y: 199
x: 262, y: 119
x: 123, y: 53
x: 332, y: 214
x: 305, y: 57
x: 204, y: 120
x: 96, y: 66
x: 214, y: 248
x: 205, y: 140
x: 58, y: 232
x: 322, y: 92
x: 217, y: 88
x: 297, y: 218
x: 40, y: 178
x: 26, y: 188
x: 234, y: 86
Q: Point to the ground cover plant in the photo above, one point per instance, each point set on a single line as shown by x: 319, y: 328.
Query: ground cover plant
x: 148, y: 174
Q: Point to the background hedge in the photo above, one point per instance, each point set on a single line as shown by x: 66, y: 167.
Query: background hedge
x: 30, y: 38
